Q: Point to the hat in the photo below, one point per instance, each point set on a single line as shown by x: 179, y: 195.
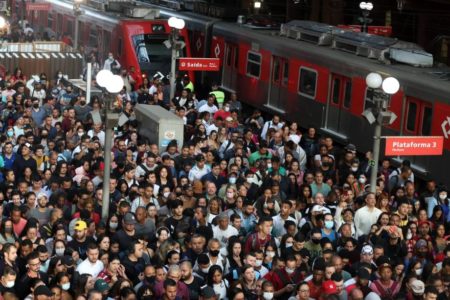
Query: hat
x: 421, y: 243
x: 383, y: 262
x: 67, y: 261
x: 129, y: 219
x: 350, y: 147
x: 101, y: 285
x: 329, y: 287
x: 199, y: 157
x: 363, y: 273
x: 426, y: 222
x: 317, y: 208
x: 229, y: 119
x: 27, y: 145
x: 367, y: 249
x: 418, y: 287
x: 42, y: 290
x: 80, y: 225
x: 208, y: 292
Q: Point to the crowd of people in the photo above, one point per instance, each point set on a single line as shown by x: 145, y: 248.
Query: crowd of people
x: 247, y: 208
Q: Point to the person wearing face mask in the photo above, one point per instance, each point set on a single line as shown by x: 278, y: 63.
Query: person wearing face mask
x: 82, y: 110
x: 268, y: 291
x: 202, y: 266
x: 223, y: 112
x: 313, y: 245
x: 285, y: 279
x: 112, y: 64
x: 328, y: 229
x: 38, y: 113
x: 7, y: 281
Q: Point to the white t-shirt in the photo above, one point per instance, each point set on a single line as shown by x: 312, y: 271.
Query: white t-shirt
x: 86, y: 267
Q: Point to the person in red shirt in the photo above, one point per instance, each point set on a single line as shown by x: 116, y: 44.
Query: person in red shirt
x: 261, y: 237
x: 285, y: 279
x: 315, y: 281
x: 224, y: 112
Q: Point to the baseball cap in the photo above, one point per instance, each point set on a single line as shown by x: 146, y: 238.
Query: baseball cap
x: 67, y: 261
x: 129, y: 219
x: 329, y: 287
x: 42, y: 290
x: 418, y: 287
x: 101, y: 285
x: 208, y: 292
x: 80, y: 225
x: 367, y: 249
x: 421, y: 243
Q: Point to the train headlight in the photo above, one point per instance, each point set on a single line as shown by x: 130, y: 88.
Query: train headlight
x: 374, y: 80
x: 390, y: 85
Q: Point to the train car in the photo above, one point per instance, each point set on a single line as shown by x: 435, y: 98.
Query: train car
x: 136, y: 41
x: 324, y: 86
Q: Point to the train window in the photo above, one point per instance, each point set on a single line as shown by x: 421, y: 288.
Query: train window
x: 119, y: 47
x: 336, y: 90
x: 412, y: 116
x: 229, y: 55
x: 307, y: 82
x: 236, y: 57
x: 253, y: 64
x: 276, y: 70
x: 426, y: 120
x: 348, y: 94
x: 69, y: 26
x: 286, y: 73
x: 93, y: 39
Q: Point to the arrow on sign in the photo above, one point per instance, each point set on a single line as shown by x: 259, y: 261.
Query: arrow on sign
x: 446, y: 128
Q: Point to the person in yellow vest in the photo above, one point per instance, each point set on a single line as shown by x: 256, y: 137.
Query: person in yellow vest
x: 220, y: 96
x: 187, y: 83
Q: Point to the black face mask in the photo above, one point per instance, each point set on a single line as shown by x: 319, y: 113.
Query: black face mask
x: 150, y: 279
x: 315, y: 241
x: 36, y: 105
x: 214, y: 253
x: 83, y: 103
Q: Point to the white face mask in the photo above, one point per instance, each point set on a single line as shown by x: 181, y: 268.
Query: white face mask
x: 271, y: 253
x: 66, y: 286
x: 205, y: 270
x: 60, y: 251
x: 267, y: 296
x: 250, y: 179
x: 442, y: 196
x: 288, y: 245
x: 289, y: 270
x: 269, y: 166
x: 419, y: 272
x: 9, y: 284
x: 354, y: 169
x: 166, y: 194
x: 258, y: 263
x: 226, y: 108
x: 232, y: 180
x: 113, y: 225
x: 362, y: 180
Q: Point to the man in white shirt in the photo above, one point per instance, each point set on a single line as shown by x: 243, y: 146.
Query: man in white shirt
x: 91, y: 265
x: 274, y: 123
x: 199, y: 170
x: 281, y: 218
x: 366, y: 216
x: 209, y: 106
x: 223, y: 231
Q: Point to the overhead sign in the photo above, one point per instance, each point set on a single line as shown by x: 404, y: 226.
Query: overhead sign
x: 38, y: 6
x: 199, y: 64
x: 414, y: 145
x: 377, y: 30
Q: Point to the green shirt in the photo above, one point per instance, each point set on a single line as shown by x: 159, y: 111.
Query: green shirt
x: 220, y: 96
x: 256, y: 156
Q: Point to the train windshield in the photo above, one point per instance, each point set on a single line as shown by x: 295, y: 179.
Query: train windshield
x: 152, y: 54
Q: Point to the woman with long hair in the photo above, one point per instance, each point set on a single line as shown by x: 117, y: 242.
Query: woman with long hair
x: 217, y: 282
x: 7, y: 234
x: 235, y: 257
x: 383, y: 203
x: 164, y: 178
x: 247, y: 283
x: 85, y: 283
x: 213, y: 141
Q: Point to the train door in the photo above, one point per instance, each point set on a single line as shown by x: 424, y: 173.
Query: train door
x: 417, y: 121
x: 418, y: 117
x: 277, y: 97
x: 230, y: 67
x: 339, y: 104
